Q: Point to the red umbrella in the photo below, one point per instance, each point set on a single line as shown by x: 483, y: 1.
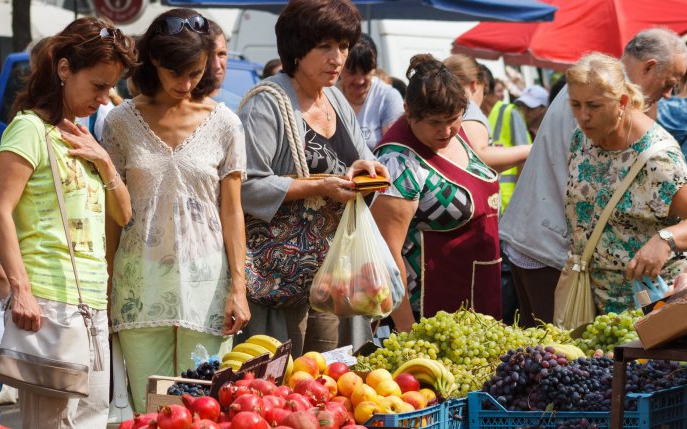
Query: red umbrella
x: 580, y: 26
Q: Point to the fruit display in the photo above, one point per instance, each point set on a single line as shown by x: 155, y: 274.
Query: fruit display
x: 539, y: 378
x: 608, y: 331
x: 467, y: 343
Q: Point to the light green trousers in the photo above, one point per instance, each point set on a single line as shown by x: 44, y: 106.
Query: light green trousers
x: 164, y: 350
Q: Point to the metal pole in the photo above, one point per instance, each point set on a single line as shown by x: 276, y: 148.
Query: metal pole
x: 76, y: 9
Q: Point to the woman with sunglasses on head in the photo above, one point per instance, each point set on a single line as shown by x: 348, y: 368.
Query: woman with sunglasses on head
x: 313, y: 38
x: 178, y: 277
x: 71, y: 78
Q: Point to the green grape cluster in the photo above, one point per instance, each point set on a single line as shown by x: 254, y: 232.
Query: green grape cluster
x: 608, y: 331
x: 469, y: 344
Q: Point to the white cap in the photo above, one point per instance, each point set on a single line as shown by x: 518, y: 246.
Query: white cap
x: 534, y: 96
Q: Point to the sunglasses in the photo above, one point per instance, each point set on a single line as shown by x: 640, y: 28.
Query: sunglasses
x: 174, y: 25
x: 115, y: 33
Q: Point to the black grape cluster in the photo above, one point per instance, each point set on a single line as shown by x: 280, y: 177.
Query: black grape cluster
x: 204, y: 371
x: 537, y: 378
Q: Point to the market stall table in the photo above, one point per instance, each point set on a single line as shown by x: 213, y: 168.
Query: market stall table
x: 676, y: 351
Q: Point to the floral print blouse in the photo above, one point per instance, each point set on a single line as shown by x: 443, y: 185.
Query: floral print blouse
x: 594, y: 173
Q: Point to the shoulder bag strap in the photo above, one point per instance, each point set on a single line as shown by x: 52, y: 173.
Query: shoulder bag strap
x: 85, y: 310
x: 606, y: 213
x: 290, y: 125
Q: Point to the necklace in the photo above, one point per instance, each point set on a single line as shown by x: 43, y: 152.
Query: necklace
x: 325, y: 110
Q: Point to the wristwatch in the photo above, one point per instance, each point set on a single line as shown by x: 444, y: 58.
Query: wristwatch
x: 670, y: 239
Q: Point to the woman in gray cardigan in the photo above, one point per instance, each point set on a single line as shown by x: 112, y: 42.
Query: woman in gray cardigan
x: 313, y: 38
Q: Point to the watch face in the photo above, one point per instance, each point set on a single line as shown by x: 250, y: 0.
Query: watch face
x: 665, y: 234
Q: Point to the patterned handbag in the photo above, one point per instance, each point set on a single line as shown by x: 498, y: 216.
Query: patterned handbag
x: 283, y: 255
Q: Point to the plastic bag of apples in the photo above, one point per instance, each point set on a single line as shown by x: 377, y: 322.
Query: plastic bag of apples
x: 359, y: 275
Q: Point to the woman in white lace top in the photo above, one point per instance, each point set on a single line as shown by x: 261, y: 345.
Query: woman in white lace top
x: 178, y: 275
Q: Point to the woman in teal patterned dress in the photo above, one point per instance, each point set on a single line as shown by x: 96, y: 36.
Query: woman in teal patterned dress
x: 644, y: 234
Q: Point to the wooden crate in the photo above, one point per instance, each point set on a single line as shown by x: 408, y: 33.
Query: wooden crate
x: 157, y: 391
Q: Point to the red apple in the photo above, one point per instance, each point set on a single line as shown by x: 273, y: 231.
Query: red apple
x: 407, y: 382
x: 335, y: 369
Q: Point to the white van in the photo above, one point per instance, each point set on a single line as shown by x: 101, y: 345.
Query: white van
x: 397, y: 40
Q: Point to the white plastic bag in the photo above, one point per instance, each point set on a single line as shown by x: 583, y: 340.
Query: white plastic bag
x: 359, y: 275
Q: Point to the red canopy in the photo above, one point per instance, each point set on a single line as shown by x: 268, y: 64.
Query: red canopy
x: 580, y: 26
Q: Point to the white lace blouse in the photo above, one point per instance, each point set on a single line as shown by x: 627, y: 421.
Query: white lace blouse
x: 170, y: 268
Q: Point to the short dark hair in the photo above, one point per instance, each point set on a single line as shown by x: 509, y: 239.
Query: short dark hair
x: 488, y: 78
x: 270, y: 68
x: 362, y: 56
x: 305, y: 23
x: 177, y: 52
x: 79, y: 43
x: 432, y: 89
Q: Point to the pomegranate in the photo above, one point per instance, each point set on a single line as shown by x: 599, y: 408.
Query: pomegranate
x: 275, y: 401
x: 297, y: 402
x: 339, y: 412
x: 314, y: 390
x: 283, y: 391
x: 174, y: 417
x: 204, y: 424
x: 301, y: 420
x: 205, y: 406
x: 276, y: 415
x: 226, y: 394
x: 126, y: 424
x: 262, y: 387
x: 248, y: 420
x: 326, y: 419
x: 224, y: 425
x: 246, y: 380
x: 223, y: 417
x: 250, y: 402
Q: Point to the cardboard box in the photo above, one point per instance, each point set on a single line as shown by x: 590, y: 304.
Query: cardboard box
x: 157, y: 391
x: 664, y: 324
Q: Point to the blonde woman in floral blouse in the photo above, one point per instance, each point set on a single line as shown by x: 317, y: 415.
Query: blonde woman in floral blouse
x: 613, y: 131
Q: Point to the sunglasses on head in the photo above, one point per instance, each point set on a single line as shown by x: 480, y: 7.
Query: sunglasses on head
x: 115, y: 33
x: 174, y: 24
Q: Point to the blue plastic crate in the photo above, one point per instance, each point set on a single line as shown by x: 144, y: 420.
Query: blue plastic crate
x: 665, y: 409
x: 448, y: 415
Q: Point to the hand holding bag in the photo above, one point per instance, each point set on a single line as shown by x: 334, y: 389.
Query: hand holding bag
x: 283, y: 255
x: 359, y: 275
x: 573, y: 299
x: 55, y: 360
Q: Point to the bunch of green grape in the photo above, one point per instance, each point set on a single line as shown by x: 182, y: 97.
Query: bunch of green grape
x: 468, y: 343
x: 608, y: 331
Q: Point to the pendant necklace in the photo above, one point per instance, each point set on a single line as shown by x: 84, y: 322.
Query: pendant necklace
x: 325, y: 110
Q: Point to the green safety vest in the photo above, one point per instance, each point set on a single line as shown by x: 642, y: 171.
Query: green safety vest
x: 500, y: 121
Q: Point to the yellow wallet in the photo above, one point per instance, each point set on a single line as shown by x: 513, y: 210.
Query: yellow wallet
x: 367, y: 183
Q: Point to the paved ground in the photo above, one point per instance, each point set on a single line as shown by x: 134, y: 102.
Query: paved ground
x: 10, y: 416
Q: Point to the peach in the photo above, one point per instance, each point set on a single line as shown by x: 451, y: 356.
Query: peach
x: 407, y: 382
x: 362, y: 393
x: 347, y: 383
x: 319, y: 359
x: 331, y: 384
x: 416, y: 399
x: 388, y: 388
x: 405, y: 408
x: 298, y: 376
x: 336, y: 369
x: 307, y: 364
x: 376, y: 376
x: 343, y: 401
x: 430, y: 395
x: 391, y: 404
x: 365, y: 410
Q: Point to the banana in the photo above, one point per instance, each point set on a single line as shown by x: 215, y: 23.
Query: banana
x: 237, y: 356
x: 265, y: 341
x: 430, y: 372
x: 570, y: 351
x: 235, y: 365
x: 251, y: 349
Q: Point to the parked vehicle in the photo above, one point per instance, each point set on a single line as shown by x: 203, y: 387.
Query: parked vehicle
x: 241, y: 75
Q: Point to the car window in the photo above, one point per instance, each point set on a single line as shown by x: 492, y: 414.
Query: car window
x: 15, y: 83
x: 239, y: 81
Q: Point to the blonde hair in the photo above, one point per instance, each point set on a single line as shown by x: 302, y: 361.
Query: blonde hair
x: 464, y: 68
x: 608, y: 74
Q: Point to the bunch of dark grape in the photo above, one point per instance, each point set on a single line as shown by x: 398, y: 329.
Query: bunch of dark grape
x: 568, y: 424
x: 204, y: 371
